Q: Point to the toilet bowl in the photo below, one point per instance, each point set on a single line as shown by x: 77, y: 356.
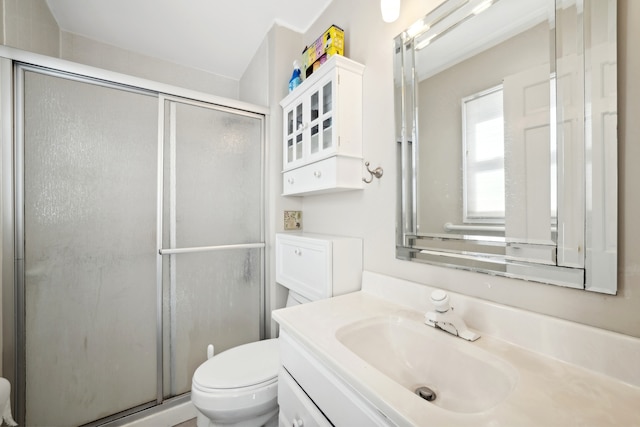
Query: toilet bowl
x: 239, y: 387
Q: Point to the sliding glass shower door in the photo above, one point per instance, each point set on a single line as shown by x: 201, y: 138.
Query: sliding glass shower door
x: 139, y: 241
x: 212, y: 246
x: 89, y: 249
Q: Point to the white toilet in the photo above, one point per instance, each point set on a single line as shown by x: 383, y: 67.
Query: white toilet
x: 239, y: 387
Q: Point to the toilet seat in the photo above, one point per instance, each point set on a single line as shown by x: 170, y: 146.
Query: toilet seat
x: 249, y: 366
x: 236, y: 403
x: 239, y: 384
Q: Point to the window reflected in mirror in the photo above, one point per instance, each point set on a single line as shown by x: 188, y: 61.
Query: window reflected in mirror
x: 483, y: 185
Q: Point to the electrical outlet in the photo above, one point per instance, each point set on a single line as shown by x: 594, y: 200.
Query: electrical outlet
x: 293, y: 220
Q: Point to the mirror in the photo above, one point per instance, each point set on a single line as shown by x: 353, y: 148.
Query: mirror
x: 506, y: 122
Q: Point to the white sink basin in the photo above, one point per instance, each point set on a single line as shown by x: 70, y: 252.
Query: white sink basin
x: 465, y: 378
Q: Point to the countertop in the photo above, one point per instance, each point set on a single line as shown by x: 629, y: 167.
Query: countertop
x: 548, y: 392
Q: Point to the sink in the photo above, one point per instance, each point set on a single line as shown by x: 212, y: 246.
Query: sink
x: 464, y: 377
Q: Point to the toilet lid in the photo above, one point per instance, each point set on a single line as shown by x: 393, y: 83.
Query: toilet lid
x: 241, y: 366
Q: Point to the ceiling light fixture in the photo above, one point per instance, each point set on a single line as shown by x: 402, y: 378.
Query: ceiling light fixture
x: 390, y: 10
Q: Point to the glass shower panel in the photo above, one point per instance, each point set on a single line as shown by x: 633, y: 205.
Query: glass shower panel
x: 90, y: 213
x: 217, y: 301
x: 212, y: 197
x: 216, y: 181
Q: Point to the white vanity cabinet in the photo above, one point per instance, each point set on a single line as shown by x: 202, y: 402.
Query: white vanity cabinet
x: 318, y: 266
x: 310, y: 394
x: 322, y: 146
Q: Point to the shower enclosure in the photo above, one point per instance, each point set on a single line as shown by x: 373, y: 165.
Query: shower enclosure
x: 132, y: 238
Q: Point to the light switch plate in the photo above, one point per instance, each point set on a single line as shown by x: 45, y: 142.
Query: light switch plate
x: 292, y: 220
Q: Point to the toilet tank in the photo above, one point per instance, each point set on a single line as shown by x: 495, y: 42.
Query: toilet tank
x: 318, y: 266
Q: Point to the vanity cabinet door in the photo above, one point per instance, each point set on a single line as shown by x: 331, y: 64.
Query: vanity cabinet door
x: 335, y: 398
x: 296, y: 409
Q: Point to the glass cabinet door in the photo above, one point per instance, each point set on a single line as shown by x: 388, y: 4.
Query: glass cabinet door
x: 315, y: 129
x: 327, y: 119
x: 295, y: 127
x: 321, y: 120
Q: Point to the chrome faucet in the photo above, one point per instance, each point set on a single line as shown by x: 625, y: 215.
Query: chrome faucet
x: 444, y: 318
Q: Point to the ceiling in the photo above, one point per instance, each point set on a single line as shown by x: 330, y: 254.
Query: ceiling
x: 218, y: 36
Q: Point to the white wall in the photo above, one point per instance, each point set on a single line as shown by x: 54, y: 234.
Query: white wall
x: 29, y: 25
x: 271, y: 68
x: 87, y: 51
x: 370, y: 214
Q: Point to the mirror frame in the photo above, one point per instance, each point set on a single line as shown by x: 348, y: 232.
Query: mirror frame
x: 590, y: 262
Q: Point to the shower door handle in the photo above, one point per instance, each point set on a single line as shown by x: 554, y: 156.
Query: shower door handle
x: 172, y: 251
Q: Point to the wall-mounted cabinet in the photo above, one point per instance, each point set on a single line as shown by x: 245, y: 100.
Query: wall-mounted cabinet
x: 318, y: 266
x: 322, y: 147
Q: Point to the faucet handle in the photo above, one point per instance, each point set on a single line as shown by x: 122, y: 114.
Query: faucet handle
x: 440, y: 300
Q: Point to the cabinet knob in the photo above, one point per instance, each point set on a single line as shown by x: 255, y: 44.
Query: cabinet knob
x: 317, y: 174
x: 297, y: 422
x: 290, y: 180
x: 297, y: 251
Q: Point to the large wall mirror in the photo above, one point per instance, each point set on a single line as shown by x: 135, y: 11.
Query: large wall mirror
x: 506, y: 122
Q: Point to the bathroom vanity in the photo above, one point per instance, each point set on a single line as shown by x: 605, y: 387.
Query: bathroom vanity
x: 357, y: 359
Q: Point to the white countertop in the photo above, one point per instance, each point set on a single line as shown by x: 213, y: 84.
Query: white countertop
x: 548, y: 392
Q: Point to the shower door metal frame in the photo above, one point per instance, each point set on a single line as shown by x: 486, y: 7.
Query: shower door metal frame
x: 12, y: 209
x: 171, y: 251
x: 19, y: 70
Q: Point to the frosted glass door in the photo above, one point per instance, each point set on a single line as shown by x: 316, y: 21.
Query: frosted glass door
x: 212, y: 202
x: 90, y: 215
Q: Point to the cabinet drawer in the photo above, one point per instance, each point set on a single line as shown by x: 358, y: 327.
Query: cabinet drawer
x: 296, y: 409
x: 304, y: 266
x: 333, y: 174
x: 314, y: 177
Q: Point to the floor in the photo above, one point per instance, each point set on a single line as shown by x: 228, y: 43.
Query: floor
x: 188, y: 423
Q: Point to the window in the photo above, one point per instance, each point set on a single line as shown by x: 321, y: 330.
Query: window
x: 483, y: 157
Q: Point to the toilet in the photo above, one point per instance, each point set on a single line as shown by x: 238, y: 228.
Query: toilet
x: 239, y: 387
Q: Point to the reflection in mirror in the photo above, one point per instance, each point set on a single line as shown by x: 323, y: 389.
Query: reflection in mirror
x: 506, y: 118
